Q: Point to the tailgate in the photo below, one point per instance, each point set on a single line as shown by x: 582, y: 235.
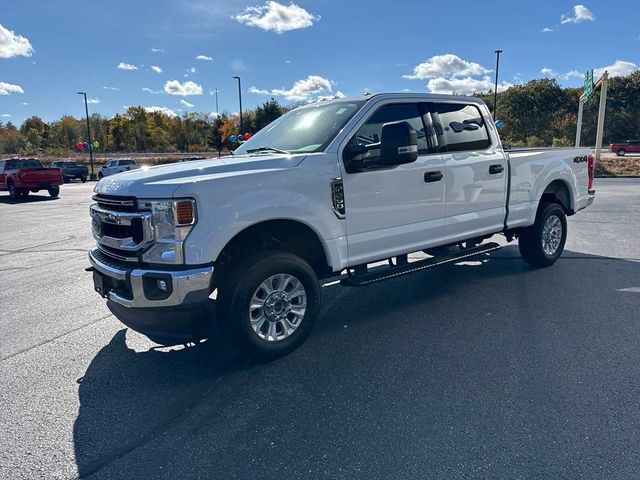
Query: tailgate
x: 39, y: 175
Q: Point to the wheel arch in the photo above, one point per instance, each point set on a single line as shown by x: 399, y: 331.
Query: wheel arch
x: 293, y: 236
x: 558, y: 191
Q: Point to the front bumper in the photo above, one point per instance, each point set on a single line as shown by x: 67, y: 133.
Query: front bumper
x: 139, y: 287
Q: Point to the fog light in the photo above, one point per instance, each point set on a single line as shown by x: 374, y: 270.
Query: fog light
x: 162, y: 285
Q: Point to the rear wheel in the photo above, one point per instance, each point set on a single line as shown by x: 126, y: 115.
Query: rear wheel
x: 542, y: 243
x: 621, y: 153
x: 54, y: 191
x: 270, y: 303
x: 83, y: 178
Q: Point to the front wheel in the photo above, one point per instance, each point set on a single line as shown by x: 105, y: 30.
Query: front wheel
x: 100, y: 176
x: 621, y: 152
x: 542, y: 243
x: 83, y: 179
x: 270, y: 303
x: 54, y: 191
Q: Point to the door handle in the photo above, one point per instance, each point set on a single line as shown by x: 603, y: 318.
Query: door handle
x: 434, y: 176
x: 496, y: 169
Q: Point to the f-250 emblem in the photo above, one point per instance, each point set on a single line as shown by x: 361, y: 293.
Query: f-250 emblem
x: 581, y: 159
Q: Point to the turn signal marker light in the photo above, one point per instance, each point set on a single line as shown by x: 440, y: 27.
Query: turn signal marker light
x: 184, y: 212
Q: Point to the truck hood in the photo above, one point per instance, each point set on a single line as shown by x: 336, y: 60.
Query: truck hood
x: 163, y: 180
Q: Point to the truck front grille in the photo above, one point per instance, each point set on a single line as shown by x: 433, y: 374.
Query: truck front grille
x: 116, y: 203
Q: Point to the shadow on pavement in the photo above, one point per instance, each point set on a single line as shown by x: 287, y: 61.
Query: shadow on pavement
x: 32, y: 198
x: 487, y: 369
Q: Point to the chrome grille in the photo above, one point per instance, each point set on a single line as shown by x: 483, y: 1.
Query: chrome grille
x: 116, y: 203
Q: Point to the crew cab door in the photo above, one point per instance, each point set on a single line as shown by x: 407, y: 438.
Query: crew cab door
x: 475, y: 169
x: 396, y: 209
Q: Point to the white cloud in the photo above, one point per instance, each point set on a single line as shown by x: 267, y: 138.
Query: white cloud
x: 148, y: 90
x: 111, y: 88
x: 304, y: 89
x: 547, y: 30
x: 156, y: 68
x: 24, y: 103
x: 6, y: 115
x: 464, y: 86
x: 549, y: 72
x: 93, y: 100
x: 174, y: 87
x: 237, y: 65
x: 157, y: 50
x: 446, y: 65
x: 204, y: 58
x: 126, y: 66
x: 573, y: 73
x: 165, y: 110
x: 9, y: 88
x: 580, y: 14
x: 619, y: 68
x: 14, y: 45
x: 277, y: 17
x: 186, y: 104
x: 191, y: 70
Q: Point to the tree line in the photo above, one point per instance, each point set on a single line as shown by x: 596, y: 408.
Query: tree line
x: 537, y: 113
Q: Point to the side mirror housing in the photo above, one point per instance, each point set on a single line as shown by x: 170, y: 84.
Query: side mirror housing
x: 399, y: 144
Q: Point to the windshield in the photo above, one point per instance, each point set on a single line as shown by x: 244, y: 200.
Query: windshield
x: 27, y: 163
x: 304, y: 130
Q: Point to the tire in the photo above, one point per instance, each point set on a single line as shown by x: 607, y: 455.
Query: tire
x: 542, y: 243
x: 14, y: 193
x: 83, y: 179
x: 66, y: 180
x: 100, y: 176
x: 54, y: 191
x: 280, y: 323
x: 621, y: 153
x: 24, y: 192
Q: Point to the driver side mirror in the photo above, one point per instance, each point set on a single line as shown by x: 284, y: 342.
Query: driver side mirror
x: 398, y: 145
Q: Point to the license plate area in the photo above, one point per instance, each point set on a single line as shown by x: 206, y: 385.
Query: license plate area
x: 101, y: 284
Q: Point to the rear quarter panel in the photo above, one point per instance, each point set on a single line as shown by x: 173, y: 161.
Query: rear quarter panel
x: 532, y: 170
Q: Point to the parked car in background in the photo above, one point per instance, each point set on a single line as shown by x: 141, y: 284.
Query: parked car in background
x: 116, y: 166
x: 71, y: 170
x: 621, y: 149
x: 19, y: 176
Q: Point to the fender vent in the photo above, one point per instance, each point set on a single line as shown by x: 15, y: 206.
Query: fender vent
x: 337, y: 197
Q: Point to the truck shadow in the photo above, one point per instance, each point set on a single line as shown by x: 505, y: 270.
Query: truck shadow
x: 32, y: 198
x: 129, y: 399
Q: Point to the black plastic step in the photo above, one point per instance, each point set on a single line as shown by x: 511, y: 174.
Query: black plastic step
x: 399, y: 270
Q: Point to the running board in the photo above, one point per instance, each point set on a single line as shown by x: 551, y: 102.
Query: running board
x: 399, y: 270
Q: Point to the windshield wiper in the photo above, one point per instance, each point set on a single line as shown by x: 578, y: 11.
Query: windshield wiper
x: 268, y: 149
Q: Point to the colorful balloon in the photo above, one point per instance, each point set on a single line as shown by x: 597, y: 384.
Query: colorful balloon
x: 96, y: 144
x: 79, y: 145
x: 247, y: 136
x: 233, y: 138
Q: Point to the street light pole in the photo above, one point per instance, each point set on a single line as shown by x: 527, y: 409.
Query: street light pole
x: 495, y: 90
x: 92, y: 176
x: 240, y: 100
x: 217, y: 111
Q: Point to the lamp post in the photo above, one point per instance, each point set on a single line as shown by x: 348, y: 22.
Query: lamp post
x: 92, y: 176
x: 240, y: 100
x: 495, y: 90
x: 217, y: 111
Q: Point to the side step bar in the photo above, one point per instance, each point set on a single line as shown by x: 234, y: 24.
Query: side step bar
x: 404, y: 269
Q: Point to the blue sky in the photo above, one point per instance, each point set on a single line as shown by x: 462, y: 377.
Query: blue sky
x: 50, y: 49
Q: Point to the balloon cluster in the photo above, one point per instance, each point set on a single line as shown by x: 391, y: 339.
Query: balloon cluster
x: 239, y: 138
x: 88, y: 146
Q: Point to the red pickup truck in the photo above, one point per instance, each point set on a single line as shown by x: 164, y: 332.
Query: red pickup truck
x: 621, y: 149
x: 23, y: 175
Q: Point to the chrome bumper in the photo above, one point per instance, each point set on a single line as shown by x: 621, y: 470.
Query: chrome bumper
x: 186, y: 286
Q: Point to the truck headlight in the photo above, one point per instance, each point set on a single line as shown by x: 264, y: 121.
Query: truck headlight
x: 172, y: 221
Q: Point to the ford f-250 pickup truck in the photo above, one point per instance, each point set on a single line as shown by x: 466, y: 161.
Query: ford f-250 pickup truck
x: 325, y: 190
x: 20, y: 176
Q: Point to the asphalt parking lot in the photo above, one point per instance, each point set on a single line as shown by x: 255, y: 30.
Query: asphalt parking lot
x: 486, y: 369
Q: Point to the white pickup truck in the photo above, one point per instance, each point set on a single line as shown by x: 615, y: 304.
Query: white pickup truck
x: 326, y: 190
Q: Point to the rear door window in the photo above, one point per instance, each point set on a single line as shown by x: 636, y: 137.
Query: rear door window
x: 461, y: 125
